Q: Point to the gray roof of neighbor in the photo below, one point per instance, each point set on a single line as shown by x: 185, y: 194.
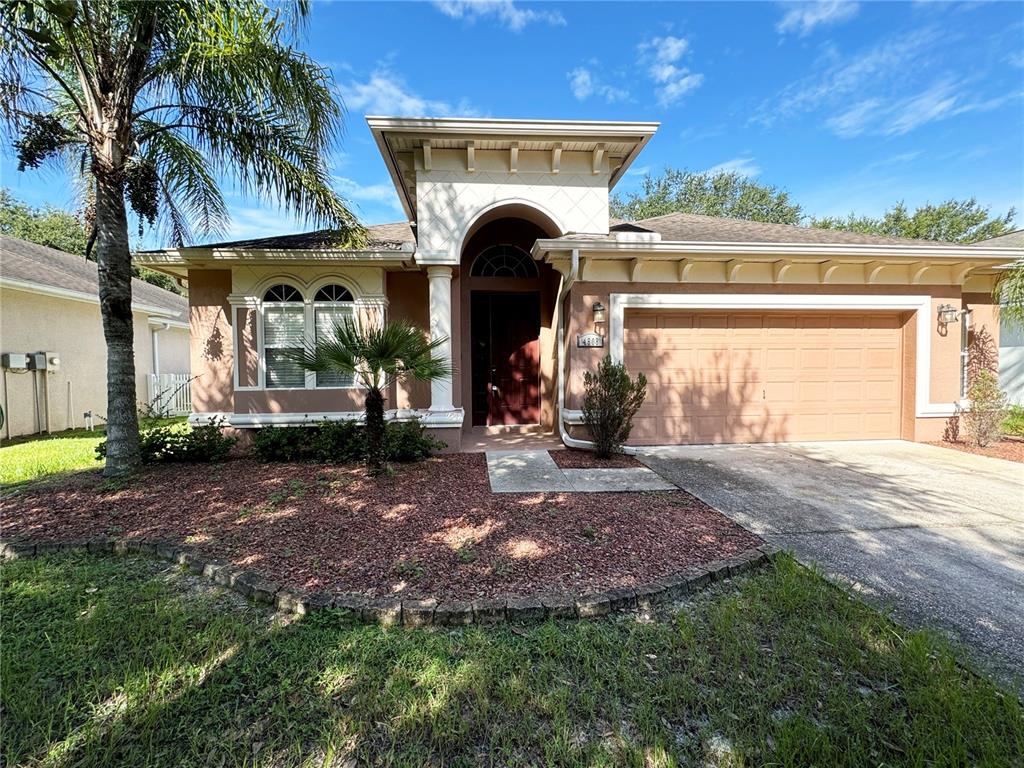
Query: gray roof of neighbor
x: 380, y: 237
x: 1013, y: 239
x: 32, y: 263
x: 714, y: 229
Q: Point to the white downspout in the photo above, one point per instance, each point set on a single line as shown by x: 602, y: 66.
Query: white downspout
x: 563, y: 291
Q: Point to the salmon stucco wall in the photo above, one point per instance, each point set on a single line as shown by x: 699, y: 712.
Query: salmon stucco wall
x: 30, y: 322
x: 408, y: 300
x: 212, y: 347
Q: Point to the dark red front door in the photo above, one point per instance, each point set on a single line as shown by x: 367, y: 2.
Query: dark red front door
x: 506, y: 357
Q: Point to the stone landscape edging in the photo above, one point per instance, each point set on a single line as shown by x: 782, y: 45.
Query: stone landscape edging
x: 409, y: 612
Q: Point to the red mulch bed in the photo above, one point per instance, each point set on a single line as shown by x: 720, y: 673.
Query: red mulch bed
x: 573, y: 459
x: 1011, y: 450
x: 334, y: 529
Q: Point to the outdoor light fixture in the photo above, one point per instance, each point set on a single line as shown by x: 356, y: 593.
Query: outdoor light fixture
x: 598, y: 312
x: 948, y: 314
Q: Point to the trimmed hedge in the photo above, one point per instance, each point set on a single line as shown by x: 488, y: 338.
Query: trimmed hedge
x: 342, y: 442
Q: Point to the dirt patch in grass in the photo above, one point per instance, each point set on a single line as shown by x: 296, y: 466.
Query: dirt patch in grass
x: 573, y: 459
x: 429, y: 529
x: 1006, y: 448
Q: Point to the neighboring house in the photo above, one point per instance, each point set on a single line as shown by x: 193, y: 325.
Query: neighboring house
x: 1011, y: 336
x: 746, y: 331
x: 49, y: 303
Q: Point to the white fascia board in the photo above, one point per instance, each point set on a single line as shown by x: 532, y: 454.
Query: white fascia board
x: 503, y: 126
x: 89, y: 298
x: 187, y: 257
x: 616, y: 249
x: 919, y: 303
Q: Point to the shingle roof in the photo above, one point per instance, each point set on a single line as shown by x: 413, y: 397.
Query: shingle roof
x: 32, y: 263
x: 1013, y: 239
x: 696, y: 228
x: 380, y: 237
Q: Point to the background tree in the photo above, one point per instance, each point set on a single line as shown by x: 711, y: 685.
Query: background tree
x: 377, y: 357
x: 52, y: 227
x: 154, y: 101
x: 954, y: 221
x: 712, y: 194
x: 56, y: 228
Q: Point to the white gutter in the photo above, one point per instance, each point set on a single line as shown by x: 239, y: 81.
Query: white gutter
x: 67, y: 293
x: 563, y: 290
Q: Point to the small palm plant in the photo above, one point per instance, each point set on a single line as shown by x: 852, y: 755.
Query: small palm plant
x: 376, y: 356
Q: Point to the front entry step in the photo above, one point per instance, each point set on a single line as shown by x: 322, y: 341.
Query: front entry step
x: 536, y: 472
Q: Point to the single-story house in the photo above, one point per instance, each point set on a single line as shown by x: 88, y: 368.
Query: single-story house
x: 746, y: 331
x: 49, y: 302
x: 1011, y: 336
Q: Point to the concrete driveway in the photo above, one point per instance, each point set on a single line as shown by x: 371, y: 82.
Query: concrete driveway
x: 934, y: 534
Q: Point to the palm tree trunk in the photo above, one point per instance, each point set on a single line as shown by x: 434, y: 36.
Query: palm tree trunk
x: 375, y: 431
x: 113, y: 258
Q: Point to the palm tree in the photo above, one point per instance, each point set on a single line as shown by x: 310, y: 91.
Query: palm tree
x: 377, y: 356
x: 152, y: 103
x: 1009, y: 294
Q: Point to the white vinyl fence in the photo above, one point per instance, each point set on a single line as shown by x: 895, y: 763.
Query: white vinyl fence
x: 170, y: 394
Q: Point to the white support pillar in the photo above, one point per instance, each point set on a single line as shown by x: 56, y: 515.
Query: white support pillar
x: 440, y: 279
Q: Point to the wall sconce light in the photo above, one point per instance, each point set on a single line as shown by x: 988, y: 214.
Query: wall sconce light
x: 948, y: 314
x: 598, y: 312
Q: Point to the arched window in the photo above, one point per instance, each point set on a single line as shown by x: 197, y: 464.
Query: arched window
x: 284, y: 333
x: 504, y: 261
x: 332, y: 304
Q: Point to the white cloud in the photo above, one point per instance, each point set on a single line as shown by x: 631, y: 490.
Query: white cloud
x: 641, y: 170
x: 803, y: 17
x: 371, y: 193
x: 248, y: 223
x: 744, y: 166
x: 386, y: 93
x: 505, y: 12
x: 660, y: 56
x: 889, y: 89
x: 585, y: 84
x: 939, y: 101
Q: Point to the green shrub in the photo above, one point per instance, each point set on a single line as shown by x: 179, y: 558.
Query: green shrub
x: 409, y: 441
x: 339, y: 442
x: 982, y: 419
x: 283, y: 443
x: 195, y: 445
x: 610, y: 400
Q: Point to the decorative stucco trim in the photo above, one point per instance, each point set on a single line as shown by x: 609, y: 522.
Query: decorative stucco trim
x: 921, y: 305
x: 880, y: 251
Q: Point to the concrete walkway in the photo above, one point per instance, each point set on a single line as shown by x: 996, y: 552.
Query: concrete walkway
x: 536, y: 472
x: 934, y: 534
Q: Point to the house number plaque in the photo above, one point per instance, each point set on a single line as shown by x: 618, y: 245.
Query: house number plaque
x: 590, y: 340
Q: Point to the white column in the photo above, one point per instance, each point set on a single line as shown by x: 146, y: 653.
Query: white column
x: 440, y: 279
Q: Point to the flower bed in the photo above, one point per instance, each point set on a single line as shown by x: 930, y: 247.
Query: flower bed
x: 432, y: 530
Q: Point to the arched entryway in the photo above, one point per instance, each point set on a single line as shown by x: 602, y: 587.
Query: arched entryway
x: 508, y: 330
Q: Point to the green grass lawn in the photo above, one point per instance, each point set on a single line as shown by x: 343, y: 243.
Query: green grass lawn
x: 130, y: 662
x: 33, y: 458
x: 1014, y: 423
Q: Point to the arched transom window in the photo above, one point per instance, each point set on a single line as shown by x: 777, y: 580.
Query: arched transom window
x: 332, y: 305
x: 504, y: 261
x: 290, y: 322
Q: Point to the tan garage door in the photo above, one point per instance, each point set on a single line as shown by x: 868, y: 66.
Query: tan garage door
x: 728, y: 377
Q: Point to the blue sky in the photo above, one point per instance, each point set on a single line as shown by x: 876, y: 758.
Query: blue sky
x: 848, y: 106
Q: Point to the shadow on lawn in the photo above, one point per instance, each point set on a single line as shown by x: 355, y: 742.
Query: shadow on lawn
x: 781, y: 667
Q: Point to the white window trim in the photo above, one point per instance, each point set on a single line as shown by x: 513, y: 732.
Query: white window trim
x: 921, y: 304
x: 256, y: 304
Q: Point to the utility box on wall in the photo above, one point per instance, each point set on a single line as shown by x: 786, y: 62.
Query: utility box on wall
x: 14, y: 361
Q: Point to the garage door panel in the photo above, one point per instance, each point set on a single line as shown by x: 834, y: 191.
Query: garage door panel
x: 765, y: 376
